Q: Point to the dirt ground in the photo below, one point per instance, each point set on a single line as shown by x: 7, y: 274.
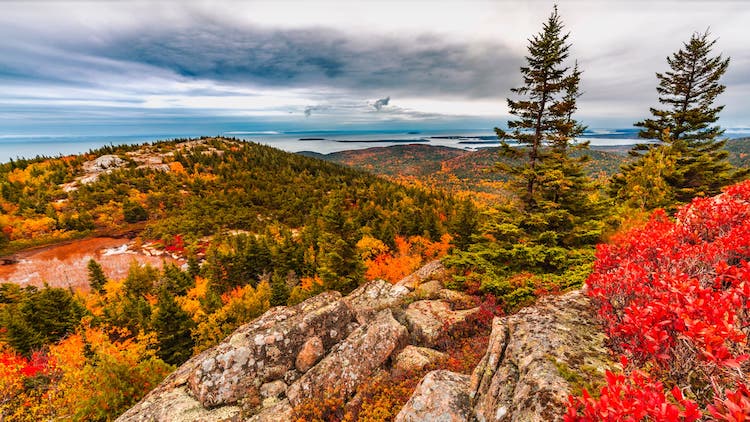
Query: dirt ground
x: 65, y: 265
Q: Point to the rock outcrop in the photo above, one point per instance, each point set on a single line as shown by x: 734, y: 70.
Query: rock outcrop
x: 429, y: 319
x: 257, y: 358
x: 353, y: 360
x: 413, y: 359
x: 294, y: 356
x: 525, y: 374
x: 440, y: 396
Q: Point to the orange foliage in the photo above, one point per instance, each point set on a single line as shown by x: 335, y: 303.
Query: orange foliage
x: 176, y: 167
x: 117, y: 376
x: 311, y: 283
x: 409, y: 255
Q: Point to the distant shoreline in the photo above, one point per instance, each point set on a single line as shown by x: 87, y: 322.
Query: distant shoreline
x: 323, y: 142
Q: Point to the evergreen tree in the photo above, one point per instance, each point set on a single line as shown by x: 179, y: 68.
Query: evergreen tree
x: 279, y: 290
x: 97, y: 279
x: 40, y: 317
x: 553, y: 187
x: 545, y: 126
x: 133, y: 212
x: 686, y: 127
x: 466, y: 224
x: 173, y: 329
x: 194, y: 266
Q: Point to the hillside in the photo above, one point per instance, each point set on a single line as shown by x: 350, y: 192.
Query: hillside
x: 739, y: 151
x: 455, y: 169
x: 221, y: 231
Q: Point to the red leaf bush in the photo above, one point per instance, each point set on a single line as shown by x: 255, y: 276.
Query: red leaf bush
x: 674, y: 299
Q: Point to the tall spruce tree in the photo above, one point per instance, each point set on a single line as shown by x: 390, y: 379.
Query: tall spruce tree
x: 552, y: 185
x: 97, y: 279
x: 545, y: 125
x: 685, y: 128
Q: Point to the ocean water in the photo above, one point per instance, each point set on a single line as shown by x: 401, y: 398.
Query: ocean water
x: 324, y: 142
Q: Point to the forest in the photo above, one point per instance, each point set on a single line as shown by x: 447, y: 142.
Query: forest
x: 260, y: 228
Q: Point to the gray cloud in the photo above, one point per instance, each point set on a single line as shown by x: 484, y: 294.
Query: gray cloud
x: 425, y: 65
x: 159, y: 54
x: 379, y: 104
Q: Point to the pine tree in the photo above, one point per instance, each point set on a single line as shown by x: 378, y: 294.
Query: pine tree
x: 279, y: 290
x: 553, y: 187
x: 545, y: 126
x: 97, y: 279
x: 173, y: 329
x: 686, y: 127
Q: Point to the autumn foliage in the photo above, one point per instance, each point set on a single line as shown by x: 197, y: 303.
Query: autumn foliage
x: 408, y: 255
x: 674, y: 298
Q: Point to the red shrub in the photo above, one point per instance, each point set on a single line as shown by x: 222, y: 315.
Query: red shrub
x: 674, y: 298
x: 634, y: 397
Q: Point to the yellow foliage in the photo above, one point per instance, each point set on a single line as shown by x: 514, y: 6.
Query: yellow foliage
x: 241, y: 305
x: 191, y: 302
x: 369, y: 247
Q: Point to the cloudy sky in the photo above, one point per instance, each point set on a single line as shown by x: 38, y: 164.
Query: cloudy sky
x: 129, y: 67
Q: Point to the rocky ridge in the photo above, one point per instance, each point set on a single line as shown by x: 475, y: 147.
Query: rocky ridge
x: 293, y: 355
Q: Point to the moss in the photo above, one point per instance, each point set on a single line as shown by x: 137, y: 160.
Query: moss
x: 587, y: 377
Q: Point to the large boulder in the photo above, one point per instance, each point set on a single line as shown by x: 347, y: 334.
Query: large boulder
x: 352, y: 361
x: 433, y: 270
x: 525, y: 374
x: 414, y: 359
x: 281, y: 411
x: 370, y: 298
x: 177, y: 405
x: 441, y: 396
x: 257, y: 354
x: 428, y: 320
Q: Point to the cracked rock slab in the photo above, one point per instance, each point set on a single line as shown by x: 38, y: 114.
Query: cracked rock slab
x: 519, y: 377
x: 352, y: 361
x: 441, y: 396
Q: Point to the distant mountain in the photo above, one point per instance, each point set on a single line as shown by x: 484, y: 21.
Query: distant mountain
x: 452, y: 168
x: 471, y: 170
x: 739, y: 151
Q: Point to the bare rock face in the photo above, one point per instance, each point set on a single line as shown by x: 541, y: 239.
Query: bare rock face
x: 429, y: 289
x: 440, y: 396
x: 520, y: 378
x: 310, y: 354
x: 229, y: 376
x: 414, y: 358
x: 370, y: 298
x: 434, y: 270
x: 265, y: 350
x: 177, y: 405
x: 281, y: 411
x: 352, y: 361
x: 429, y: 319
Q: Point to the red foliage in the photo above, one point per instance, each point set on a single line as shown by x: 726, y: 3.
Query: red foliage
x: 39, y: 364
x: 674, y: 297
x: 176, y: 245
x: 686, y: 280
x: 634, y: 397
x: 735, y: 407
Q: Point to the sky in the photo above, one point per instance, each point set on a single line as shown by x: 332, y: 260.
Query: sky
x: 129, y: 67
